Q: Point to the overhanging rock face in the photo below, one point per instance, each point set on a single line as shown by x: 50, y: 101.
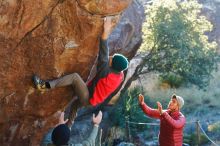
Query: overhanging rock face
x: 50, y: 38
x: 126, y: 39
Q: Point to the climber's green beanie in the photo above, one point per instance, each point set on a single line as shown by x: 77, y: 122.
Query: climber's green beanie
x: 119, y: 62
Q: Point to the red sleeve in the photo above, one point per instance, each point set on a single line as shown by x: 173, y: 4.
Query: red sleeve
x: 179, y: 123
x: 153, y: 113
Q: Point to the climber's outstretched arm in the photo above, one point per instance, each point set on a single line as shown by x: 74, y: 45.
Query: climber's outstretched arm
x: 108, y: 27
x: 103, y: 59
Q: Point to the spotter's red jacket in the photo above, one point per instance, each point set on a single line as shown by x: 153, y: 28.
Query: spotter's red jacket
x: 171, y: 125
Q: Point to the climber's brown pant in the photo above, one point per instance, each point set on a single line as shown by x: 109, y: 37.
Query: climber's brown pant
x: 79, y: 86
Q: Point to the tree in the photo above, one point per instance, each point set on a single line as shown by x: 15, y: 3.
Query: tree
x: 175, y: 42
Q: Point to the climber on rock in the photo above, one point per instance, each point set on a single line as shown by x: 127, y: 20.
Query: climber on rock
x: 108, y: 78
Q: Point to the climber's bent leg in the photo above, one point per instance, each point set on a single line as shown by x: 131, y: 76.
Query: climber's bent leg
x: 79, y: 86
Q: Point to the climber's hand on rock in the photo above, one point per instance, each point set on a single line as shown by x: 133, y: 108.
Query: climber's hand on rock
x: 109, y: 24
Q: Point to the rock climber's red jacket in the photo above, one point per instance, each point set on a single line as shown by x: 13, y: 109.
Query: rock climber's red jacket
x: 106, y: 81
x: 171, y: 126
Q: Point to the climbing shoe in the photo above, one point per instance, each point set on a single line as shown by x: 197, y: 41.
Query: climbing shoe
x: 39, y: 84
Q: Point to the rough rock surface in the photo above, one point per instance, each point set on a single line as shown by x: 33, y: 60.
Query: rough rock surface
x: 49, y: 38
